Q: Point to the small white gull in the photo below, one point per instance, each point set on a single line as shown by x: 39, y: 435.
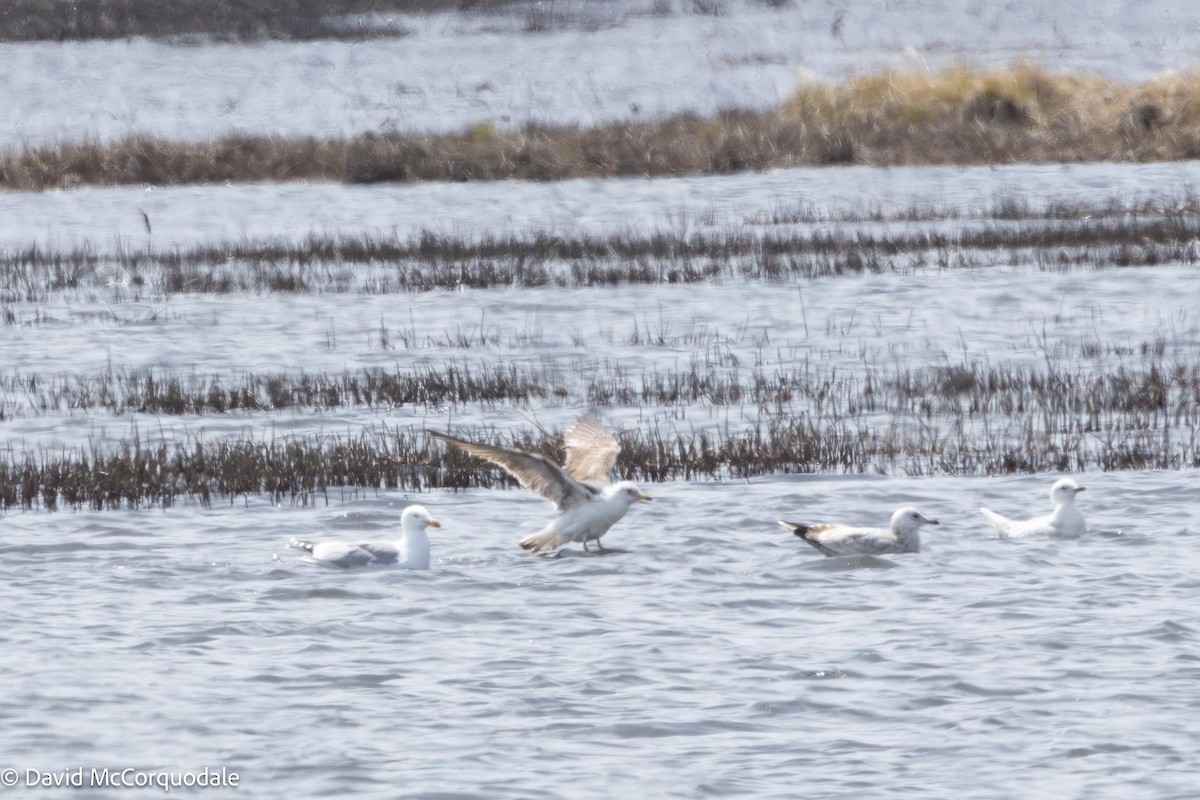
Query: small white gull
x: 590, y: 505
x: 1065, y: 522
x: 844, y: 540
x: 410, y: 551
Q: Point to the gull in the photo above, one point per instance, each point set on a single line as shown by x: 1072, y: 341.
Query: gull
x: 1065, y: 522
x: 845, y: 540
x: 588, y: 503
x: 410, y: 551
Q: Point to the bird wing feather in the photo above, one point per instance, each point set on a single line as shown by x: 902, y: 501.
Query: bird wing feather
x: 806, y: 533
x: 535, y: 472
x: 342, y: 554
x: 1005, y: 526
x: 847, y: 540
x: 379, y: 552
x: 591, y: 451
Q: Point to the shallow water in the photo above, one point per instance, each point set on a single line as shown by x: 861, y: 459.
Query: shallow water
x: 1008, y: 318
x: 110, y: 219
x: 454, y: 71
x: 708, y: 654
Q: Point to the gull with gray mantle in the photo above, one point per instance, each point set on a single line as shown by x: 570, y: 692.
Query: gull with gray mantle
x: 410, y: 551
x: 846, y: 540
x: 1065, y: 522
x: 588, y: 503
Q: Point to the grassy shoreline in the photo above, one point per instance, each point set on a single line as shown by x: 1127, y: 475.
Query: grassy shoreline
x: 1021, y: 114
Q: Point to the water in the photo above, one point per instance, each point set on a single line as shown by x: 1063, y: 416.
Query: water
x: 109, y: 218
x: 454, y: 71
x: 709, y: 654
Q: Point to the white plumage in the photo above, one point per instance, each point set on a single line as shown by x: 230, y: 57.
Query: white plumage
x: 410, y: 551
x: 843, y: 540
x: 1064, y: 522
x: 580, y: 489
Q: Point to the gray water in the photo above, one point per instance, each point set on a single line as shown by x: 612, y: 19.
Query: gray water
x: 708, y: 653
x: 711, y: 654
x: 613, y: 60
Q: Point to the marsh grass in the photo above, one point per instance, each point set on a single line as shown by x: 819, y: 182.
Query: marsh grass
x: 958, y: 116
x: 1119, y: 408
x: 1101, y: 236
x: 133, y: 473
x: 1141, y: 390
x: 303, y: 20
x: 236, y: 20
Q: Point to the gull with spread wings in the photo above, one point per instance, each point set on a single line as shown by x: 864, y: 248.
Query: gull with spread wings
x: 588, y: 503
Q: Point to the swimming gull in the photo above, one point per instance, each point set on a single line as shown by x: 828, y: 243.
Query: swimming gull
x: 410, y: 551
x: 590, y: 505
x: 844, y: 540
x: 1065, y: 522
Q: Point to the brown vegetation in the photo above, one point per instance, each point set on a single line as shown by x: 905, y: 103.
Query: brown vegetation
x: 959, y: 116
x: 242, y: 20
x: 1119, y: 233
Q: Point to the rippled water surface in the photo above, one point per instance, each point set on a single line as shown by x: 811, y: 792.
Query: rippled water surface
x: 707, y: 654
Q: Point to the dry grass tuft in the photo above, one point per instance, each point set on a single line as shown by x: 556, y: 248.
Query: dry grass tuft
x: 1022, y: 113
x: 959, y: 116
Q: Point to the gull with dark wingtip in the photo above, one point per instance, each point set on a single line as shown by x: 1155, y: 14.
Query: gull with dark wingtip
x: 844, y: 540
x: 588, y: 502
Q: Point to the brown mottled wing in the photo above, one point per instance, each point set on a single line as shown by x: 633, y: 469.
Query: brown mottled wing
x: 591, y: 452
x: 809, y: 533
x: 536, y: 473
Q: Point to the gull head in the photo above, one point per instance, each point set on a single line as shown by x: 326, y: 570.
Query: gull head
x: 909, y: 519
x: 1064, y: 491
x: 416, y: 519
x: 628, y: 492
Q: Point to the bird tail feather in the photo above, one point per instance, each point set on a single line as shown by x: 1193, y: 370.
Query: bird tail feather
x: 1001, y: 524
x: 802, y: 532
x: 543, y: 541
x: 301, y: 544
x: 798, y: 530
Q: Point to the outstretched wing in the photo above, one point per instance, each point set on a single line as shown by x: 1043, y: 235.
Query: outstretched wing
x: 536, y: 473
x: 591, y: 451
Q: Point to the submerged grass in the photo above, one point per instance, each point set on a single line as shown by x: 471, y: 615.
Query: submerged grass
x: 1127, y: 410
x: 303, y: 470
x: 1141, y: 390
x: 957, y: 116
x: 1053, y: 238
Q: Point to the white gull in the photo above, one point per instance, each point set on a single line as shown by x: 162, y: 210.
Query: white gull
x: 590, y: 505
x: 843, y: 540
x: 1065, y: 522
x: 410, y: 551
